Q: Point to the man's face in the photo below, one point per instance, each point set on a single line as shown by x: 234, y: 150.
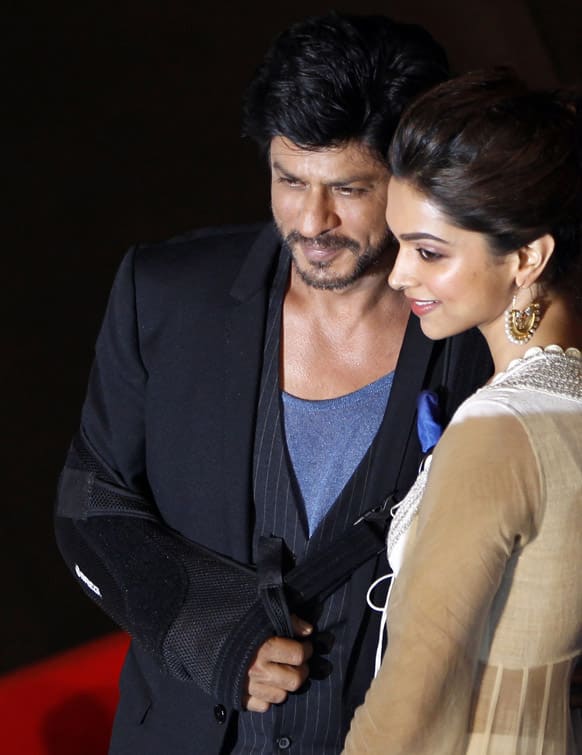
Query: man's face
x: 329, y: 206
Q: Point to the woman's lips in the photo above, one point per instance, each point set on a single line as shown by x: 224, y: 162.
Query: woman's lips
x: 422, y: 307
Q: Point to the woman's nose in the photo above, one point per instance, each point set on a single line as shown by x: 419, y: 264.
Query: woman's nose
x: 400, y: 277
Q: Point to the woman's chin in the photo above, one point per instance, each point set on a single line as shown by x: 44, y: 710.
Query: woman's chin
x: 430, y: 331
x: 438, y: 332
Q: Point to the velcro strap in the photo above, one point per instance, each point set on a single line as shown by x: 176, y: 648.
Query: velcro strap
x: 82, y: 494
x: 319, y: 575
x: 271, y: 589
x: 74, y: 493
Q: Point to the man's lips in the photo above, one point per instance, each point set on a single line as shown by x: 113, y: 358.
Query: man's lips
x: 322, y: 249
x: 319, y: 253
x: 422, y: 307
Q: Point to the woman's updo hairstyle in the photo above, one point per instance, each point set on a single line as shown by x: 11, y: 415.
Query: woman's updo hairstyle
x: 499, y: 159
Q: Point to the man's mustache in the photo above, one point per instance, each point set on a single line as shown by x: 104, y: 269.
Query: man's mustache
x: 324, y: 241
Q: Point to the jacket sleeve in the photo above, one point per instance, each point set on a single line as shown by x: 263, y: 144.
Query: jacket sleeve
x: 198, y: 613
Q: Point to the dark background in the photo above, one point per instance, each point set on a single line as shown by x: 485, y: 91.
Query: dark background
x: 122, y: 124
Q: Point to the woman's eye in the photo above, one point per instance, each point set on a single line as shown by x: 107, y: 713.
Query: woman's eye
x: 427, y: 255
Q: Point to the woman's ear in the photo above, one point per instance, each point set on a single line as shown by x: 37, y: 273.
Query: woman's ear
x: 533, y: 258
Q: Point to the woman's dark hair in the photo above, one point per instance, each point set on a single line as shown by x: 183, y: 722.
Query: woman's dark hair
x: 336, y: 78
x: 500, y: 159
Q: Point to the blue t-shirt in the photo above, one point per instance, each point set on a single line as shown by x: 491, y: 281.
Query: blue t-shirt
x: 327, y: 439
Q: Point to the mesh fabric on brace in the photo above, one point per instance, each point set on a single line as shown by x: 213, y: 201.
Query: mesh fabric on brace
x: 195, y: 611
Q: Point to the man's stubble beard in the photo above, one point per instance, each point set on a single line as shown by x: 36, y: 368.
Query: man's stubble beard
x: 366, y: 261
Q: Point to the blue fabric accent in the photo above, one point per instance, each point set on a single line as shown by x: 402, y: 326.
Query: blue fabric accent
x: 428, y: 422
x: 327, y: 439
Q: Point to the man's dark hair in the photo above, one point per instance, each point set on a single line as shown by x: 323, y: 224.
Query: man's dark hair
x: 336, y: 78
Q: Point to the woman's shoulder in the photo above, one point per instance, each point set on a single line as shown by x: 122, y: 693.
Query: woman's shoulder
x: 543, y: 380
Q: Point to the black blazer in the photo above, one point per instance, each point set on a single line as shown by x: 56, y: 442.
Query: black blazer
x: 171, y: 411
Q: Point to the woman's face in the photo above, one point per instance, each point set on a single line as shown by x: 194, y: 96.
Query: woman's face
x: 451, y: 278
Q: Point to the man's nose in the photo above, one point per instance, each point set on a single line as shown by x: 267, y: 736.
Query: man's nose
x: 317, y: 215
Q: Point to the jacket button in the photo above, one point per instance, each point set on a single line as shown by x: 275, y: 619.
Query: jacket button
x: 219, y: 714
x: 283, y: 743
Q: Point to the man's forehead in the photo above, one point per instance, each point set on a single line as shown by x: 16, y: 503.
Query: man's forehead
x: 353, y: 157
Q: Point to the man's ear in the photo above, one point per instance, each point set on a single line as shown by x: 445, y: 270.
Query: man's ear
x: 533, y: 259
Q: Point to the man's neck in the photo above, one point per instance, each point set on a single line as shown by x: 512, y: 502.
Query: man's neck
x: 335, y: 342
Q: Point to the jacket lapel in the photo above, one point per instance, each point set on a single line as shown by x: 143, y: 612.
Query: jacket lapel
x: 244, y: 330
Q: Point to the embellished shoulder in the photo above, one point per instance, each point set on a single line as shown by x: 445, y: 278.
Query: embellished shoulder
x: 550, y: 370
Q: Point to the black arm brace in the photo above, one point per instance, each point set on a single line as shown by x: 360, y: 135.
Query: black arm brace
x: 199, y: 614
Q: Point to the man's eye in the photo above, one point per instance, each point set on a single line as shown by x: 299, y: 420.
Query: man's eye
x: 427, y: 255
x: 350, y: 191
x: 292, y: 183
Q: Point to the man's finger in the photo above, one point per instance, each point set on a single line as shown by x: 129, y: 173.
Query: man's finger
x: 268, y: 693
x: 255, y: 705
x: 283, y: 650
x: 301, y: 628
x: 276, y: 676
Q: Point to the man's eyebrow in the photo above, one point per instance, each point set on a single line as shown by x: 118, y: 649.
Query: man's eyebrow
x: 355, y: 178
x: 277, y: 166
x: 422, y: 235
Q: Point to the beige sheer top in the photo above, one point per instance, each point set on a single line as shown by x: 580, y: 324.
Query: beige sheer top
x: 484, y: 619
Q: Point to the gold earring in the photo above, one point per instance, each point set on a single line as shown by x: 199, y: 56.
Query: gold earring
x: 521, y: 324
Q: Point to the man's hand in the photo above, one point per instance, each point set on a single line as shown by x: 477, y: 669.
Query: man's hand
x: 278, y: 667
